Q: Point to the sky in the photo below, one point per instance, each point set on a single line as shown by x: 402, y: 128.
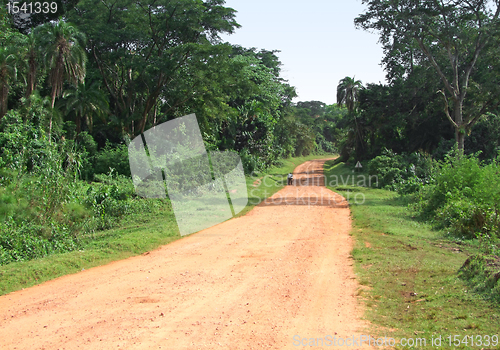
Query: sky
x: 318, y: 41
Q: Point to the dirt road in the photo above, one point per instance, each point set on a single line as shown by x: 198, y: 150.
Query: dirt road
x: 271, y: 279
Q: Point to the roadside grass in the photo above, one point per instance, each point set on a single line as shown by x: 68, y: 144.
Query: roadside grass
x: 409, y: 272
x: 135, y: 235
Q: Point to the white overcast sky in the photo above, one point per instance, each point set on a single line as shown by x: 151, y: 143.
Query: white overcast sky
x: 318, y: 42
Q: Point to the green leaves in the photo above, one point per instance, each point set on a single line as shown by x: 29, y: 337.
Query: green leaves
x: 348, y: 92
x: 8, y: 73
x: 64, y: 55
x: 150, y: 52
x: 85, y: 102
x: 455, y: 38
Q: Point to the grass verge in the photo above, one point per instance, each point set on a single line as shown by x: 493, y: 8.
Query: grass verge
x: 409, y: 272
x: 135, y: 235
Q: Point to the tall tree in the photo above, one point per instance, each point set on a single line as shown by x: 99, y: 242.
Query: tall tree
x: 348, y: 95
x: 348, y: 92
x: 65, y: 56
x: 453, y: 36
x: 32, y: 53
x: 144, y: 49
x: 8, y: 73
x: 10, y: 59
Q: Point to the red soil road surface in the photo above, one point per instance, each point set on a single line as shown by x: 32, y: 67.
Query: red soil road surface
x: 253, y: 282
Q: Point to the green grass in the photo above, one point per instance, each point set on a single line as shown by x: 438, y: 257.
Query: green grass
x: 135, y: 235
x: 408, y: 271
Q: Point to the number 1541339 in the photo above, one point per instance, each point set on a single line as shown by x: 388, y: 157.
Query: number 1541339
x: 31, y: 7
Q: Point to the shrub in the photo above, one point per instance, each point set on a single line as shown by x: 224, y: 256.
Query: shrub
x: 465, y: 196
x: 112, y: 158
x: 87, y: 148
x: 325, y: 146
x: 251, y: 162
x: 26, y: 241
x: 44, y: 207
x: 467, y: 219
x: 405, y: 173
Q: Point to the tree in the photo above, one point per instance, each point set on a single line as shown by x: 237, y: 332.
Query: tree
x: 144, y: 49
x: 348, y: 92
x: 453, y: 37
x: 8, y: 73
x: 85, y: 102
x: 65, y: 56
x: 258, y: 97
x: 10, y: 59
x: 31, y: 55
x: 348, y: 95
x: 312, y: 109
x: 5, y: 25
x: 258, y: 82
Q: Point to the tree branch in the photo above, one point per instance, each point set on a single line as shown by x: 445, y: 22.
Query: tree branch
x: 447, y: 112
x: 102, y: 72
x: 487, y: 106
x: 426, y: 51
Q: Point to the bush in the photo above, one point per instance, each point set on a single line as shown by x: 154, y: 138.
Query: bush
x: 467, y: 219
x: 44, y: 207
x: 405, y: 173
x: 113, y: 158
x: 465, y: 196
x: 108, y: 198
x: 325, y: 146
x: 26, y: 241
x: 38, y: 180
x: 251, y: 162
x: 87, y: 147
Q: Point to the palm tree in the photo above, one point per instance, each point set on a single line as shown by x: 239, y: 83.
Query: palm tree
x: 8, y: 73
x: 348, y: 92
x: 32, y: 55
x: 348, y: 95
x: 65, y: 56
x: 85, y: 102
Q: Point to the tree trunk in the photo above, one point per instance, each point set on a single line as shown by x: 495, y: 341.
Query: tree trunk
x: 4, y: 94
x: 50, y: 119
x: 154, y: 115
x: 460, y: 138
x: 78, y: 124
x: 458, y: 117
x: 31, y: 83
